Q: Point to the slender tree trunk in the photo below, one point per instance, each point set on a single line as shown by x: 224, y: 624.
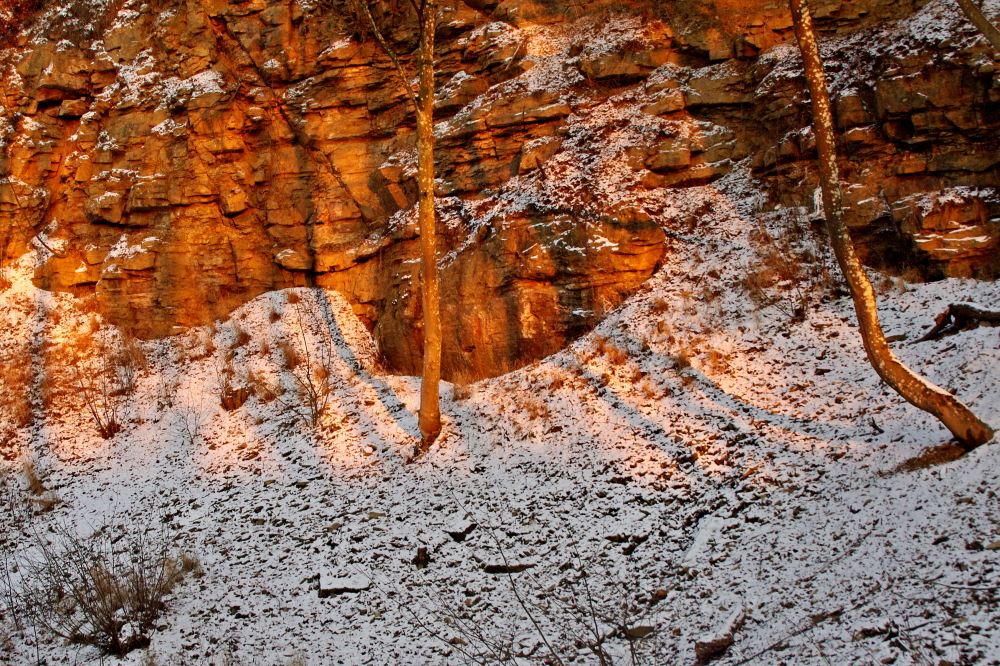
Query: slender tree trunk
x: 978, y: 19
x: 423, y: 103
x: 966, y: 426
x: 430, y: 411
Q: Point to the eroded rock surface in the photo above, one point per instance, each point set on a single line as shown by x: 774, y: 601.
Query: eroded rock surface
x: 176, y: 159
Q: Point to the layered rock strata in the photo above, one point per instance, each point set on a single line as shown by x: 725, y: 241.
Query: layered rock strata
x: 174, y: 159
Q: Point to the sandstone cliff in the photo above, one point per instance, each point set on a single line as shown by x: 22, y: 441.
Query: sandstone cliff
x: 173, y: 159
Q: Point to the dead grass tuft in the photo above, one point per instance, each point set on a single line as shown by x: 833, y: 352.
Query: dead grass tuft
x: 32, y: 479
x: 190, y: 564
x: 240, y: 337
x: 16, y: 390
x: 233, y: 393
x: 615, y: 354
x: 264, y: 390
x: 601, y: 344
x: 681, y: 360
x: 105, y: 590
x: 289, y: 355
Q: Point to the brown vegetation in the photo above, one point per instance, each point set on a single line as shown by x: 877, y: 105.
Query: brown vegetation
x: 16, y: 390
x: 105, y: 590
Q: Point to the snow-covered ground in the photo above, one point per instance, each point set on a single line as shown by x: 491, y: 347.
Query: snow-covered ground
x: 760, y: 489
x: 704, y: 463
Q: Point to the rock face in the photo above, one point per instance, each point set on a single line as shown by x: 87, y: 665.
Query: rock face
x: 177, y: 158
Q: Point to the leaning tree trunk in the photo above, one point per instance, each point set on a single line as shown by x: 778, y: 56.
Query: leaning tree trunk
x: 959, y: 419
x: 978, y: 19
x: 430, y: 411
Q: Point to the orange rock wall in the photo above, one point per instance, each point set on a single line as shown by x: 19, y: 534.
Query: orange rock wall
x: 182, y: 157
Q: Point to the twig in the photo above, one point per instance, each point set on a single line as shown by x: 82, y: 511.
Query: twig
x: 389, y: 51
x: 524, y: 606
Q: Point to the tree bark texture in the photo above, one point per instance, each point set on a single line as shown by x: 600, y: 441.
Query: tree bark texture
x: 430, y: 411
x: 959, y: 419
x: 429, y: 418
x: 978, y: 19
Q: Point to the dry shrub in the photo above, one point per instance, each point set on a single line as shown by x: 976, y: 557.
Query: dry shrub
x: 310, y: 363
x: 289, y: 355
x: 681, y: 360
x: 615, y: 354
x: 102, y: 405
x: 233, y: 392
x: 29, y: 473
x: 16, y: 390
x: 190, y: 563
x: 717, y: 360
x: 460, y: 392
x: 127, y: 360
x: 97, y: 370
x: 240, y: 337
x: 273, y: 316
x: 648, y: 390
x: 191, y: 418
x: 883, y: 284
x: 209, y: 346
x: 660, y: 306
x: 166, y: 392
x: 206, y: 342
x: 263, y: 389
x: 536, y: 408
x: 90, y: 305
x: 314, y: 388
x: 787, y: 271
x: 601, y: 344
x: 105, y: 590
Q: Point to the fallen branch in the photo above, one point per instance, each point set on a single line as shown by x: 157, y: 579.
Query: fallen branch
x: 959, y: 316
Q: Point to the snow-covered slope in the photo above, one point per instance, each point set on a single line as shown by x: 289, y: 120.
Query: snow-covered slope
x: 703, y: 463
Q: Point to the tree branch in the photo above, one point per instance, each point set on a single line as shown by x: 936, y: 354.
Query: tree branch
x: 389, y: 51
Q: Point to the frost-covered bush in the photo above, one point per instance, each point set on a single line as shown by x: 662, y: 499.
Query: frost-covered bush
x: 106, y: 589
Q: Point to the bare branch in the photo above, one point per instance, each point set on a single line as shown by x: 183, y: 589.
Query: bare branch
x: 389, y: 51
x: 957, y: 317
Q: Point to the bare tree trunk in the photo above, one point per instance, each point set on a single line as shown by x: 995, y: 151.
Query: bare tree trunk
x: 959, y: 419
x: 423, y: 104
x: 978, y: 19
x: 430, y: 412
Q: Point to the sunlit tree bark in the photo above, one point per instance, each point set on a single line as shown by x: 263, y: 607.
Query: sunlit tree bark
x: 423, y: 103
x: 959, y: 419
